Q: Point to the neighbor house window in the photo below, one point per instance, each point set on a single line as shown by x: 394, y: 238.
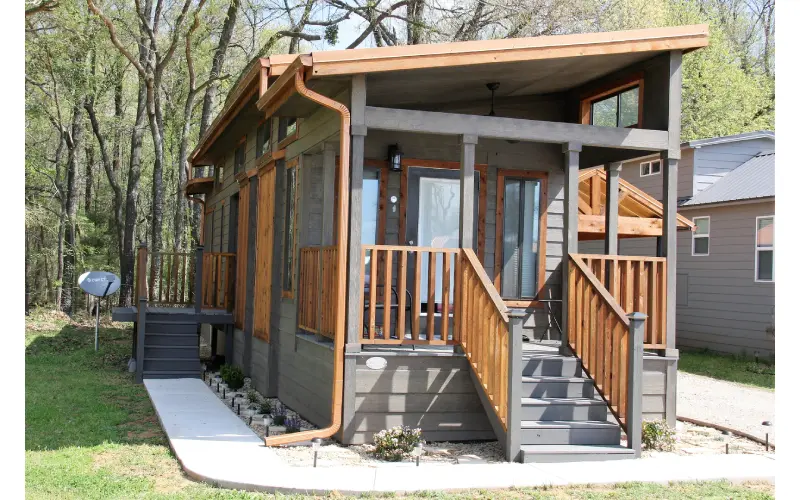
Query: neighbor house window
x: 765, y: 248
x: 238, y: 157
x: 701, y: 235
x: 521, y: 233
x: 262, y: 138
x: 650, y: 168
x: 289, y: 229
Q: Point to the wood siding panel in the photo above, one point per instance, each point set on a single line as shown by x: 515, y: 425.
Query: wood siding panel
x: 264, y: 251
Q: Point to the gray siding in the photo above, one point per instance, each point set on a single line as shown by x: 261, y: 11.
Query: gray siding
x: 653, y: 184
x: 432, y: 392
x: 726, y: 310
x: 656, y: 373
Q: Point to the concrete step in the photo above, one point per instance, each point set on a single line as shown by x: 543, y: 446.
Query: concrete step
x: 171, y: 339
x: 557, y: 387
x: 565, y: 432
x: 171, y: 374
x: 170, y: 327
x: 172, y: 364
x: 568, y: 409
x: 573, y: 453
x: 171, y: 352
x: 550, y: 365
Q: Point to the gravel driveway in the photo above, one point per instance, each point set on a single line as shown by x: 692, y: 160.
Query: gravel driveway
x: 738, y: 406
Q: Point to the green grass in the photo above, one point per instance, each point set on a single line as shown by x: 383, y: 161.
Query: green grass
x: 90, y: 432
x: 727, y: 367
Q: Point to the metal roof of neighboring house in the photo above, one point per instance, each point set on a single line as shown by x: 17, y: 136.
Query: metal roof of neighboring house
x: 758, y: 134
x: 754, y: 178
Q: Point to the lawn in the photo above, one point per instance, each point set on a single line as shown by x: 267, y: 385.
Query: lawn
x: 726, y: 367
x: 90, y: 432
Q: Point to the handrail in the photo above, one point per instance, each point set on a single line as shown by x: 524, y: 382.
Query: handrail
x: 487, y: 284
x: 599, y: 288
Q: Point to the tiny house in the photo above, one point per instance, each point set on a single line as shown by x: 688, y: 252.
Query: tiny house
x: 391, y: 237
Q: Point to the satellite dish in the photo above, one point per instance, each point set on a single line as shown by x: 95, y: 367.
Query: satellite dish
x: 99, y: 283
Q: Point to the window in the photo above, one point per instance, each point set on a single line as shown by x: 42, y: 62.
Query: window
x: 238, y: 157
x: 617, y: 110
x: 262, y: 138
x: 649, y: 168
x: 219, y: 174
x: 370, y: 192
x: 291, y: 127
x: 701, y: 235
x: 765, y: 248
x: 289, y: 229
x: 287, y: 131
x: 519, y: 275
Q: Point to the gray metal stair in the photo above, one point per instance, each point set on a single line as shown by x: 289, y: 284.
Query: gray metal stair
x: 564, y: 419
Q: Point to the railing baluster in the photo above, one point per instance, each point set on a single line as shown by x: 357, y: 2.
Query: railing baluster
x: 430, y: 332
x: 401, y: 294
x: 387, y: 296
x: 373, y: 290
x: 417, y: 308
x: 445, y: 295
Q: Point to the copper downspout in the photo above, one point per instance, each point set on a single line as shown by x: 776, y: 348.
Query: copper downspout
x: 341, y: 271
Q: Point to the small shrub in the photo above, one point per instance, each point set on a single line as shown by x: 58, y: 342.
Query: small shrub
x: 233, y: 376
x: 278, y: 415
x: 760, y: 368
x: 253, y: 396
x: 658, y: 435
x: 395, y: 443
x: 292, y: 425
x: 265, y: 408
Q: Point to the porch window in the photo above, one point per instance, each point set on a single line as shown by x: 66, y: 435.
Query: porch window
x: 765, y: 248
x: 618, y: 104
x: 522, y: 200
x: 701, y: 236
x: 238, y: 158
x: 289, y: 229
x: 262, y: 138
x: 649, y: 168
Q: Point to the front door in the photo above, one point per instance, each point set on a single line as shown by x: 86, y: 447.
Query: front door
x: 432, y: 216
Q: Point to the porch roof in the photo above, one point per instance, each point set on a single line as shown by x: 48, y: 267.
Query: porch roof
x: 640, y: 215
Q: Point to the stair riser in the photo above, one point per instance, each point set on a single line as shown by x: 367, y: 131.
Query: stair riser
x: 189, y: 340
x: 172, y: 364
x: 191, y: 352
x: 156, y: 327
x: 170, y: 375
x: 604, y: 436
x: 551, y: 367
x: 549, y: 389
x: 548, y: 458
x: 565, y: 412
x: 183, y: 317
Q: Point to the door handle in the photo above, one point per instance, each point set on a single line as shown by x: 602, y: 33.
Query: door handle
x: 410, y: 242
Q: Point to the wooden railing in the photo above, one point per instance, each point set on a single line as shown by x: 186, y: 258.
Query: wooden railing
x: 393, y: 295
x: 598, y: 332
x: 317, y: 291
x: 219, y: 271
x: 484, y: 332
x: 637, y: 284
x: 171, y: 275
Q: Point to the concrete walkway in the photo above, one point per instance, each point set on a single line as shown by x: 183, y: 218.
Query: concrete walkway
x: 214, y: 446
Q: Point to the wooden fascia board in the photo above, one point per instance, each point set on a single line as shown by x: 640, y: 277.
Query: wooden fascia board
x: 493, y: 127
x: 638, y: 226
x: 342, y: 62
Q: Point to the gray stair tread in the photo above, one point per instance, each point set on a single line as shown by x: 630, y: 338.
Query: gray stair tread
x: 568, y: 424
x: 575, y: 449
x: 562, y: 401
x: 154, y: 321
x: 546, y: 378
x: 170, y: 346
x: 194, y: 373
x: 173, y: 359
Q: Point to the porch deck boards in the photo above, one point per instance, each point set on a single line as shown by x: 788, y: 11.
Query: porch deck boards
x: 207, y: 315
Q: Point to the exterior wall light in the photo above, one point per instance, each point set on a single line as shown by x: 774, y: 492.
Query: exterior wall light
x: 395, y: 158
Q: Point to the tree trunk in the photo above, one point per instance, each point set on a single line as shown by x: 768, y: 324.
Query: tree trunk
x: 73, y: 147
x: 27, y: 273
x: 89, y: 180
x: 216, y: 65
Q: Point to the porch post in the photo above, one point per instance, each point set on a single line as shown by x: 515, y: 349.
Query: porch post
x: 355, y: 264
x: 669, y: 169
x: 466, y: 215
x: 571, y: 152
x: 612, y: 207
x: 633, y: 415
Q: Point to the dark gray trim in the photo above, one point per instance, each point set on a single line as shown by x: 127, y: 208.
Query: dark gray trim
x: 249, y: 306
x: 669, y: 239
x: 142, y: 326
x: 674, y: 97
x: 571, y: 152
x: 466, y: 214
x: 430, y: 122
x: 198, y: 279
x: 633, y: 416
x: 274, y: 319
x: 612, y: 208
x: 355, y: 282
x: 513, y: 441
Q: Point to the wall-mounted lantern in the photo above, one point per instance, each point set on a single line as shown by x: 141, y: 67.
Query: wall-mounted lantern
x: 395, y: 158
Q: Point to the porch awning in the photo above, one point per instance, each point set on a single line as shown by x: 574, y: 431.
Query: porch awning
x: 640, y: 215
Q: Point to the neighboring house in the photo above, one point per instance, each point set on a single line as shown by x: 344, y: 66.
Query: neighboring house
x: 383, y: 225
x: 726, y: 268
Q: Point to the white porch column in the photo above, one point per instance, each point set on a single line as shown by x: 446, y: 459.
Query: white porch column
x: 571, y: 152
x: 466, y: 217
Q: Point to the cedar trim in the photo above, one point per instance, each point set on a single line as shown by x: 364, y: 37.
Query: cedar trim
x: 482, y: 169
x: 626, y: 83
x: 293, y: 163
x: 498, y: 250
